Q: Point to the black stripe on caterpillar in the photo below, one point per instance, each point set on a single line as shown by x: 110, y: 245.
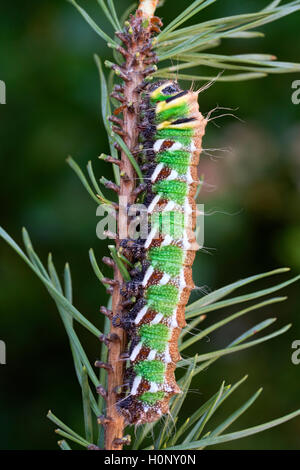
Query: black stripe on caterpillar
x: 171, y: 131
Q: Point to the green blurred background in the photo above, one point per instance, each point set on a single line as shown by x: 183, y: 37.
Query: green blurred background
x: 53, y: 110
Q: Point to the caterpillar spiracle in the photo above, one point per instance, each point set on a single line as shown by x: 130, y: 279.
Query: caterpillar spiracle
x: 171, y: 131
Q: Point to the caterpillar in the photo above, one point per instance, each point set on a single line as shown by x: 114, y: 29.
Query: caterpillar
x: 170, y: 135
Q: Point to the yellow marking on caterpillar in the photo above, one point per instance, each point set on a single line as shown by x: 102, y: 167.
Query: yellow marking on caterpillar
x: 183, y: 125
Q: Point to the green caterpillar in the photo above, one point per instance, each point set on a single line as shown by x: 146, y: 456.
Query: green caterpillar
x: 171, y: 131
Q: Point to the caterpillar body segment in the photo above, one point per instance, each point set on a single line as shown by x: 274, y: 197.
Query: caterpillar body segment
x: 171, y: 131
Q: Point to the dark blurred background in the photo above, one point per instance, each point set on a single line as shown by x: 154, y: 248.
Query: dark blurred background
x: 53, y: 110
